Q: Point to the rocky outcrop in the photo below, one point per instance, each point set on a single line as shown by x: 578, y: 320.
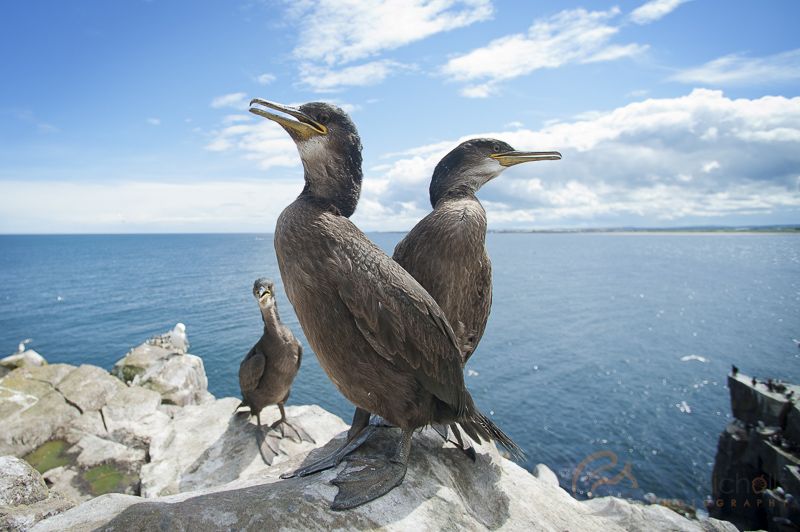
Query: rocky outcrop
x: 161, y: 364
x: 24, y: 497
x: 132, y: 455
x: 443, y: 489
x: 755, y: 480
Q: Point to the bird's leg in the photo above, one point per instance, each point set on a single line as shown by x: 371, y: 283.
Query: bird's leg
x: 464, y: 444
x: 359, y: 431
x: 263, y: 440
x: 375, y: 477
x: 298, y: 431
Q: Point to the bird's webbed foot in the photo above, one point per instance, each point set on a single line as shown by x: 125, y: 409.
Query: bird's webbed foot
x: 295, y: 433
x: 268, y: 444
x: 365, y: 480
x: 359, y: 432
x: 370, y: 478
x: 333, y: 459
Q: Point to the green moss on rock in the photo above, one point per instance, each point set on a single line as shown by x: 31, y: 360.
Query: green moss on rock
x: 48, y: 456
x: 107, y: 478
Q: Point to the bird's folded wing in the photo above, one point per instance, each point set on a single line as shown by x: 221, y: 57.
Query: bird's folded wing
x: 401, y: 321
x: 250, y: 370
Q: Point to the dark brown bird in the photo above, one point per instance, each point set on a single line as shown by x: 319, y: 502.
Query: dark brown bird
x: 269, y: 368
x: 446, y: 251
x: 380, y: 337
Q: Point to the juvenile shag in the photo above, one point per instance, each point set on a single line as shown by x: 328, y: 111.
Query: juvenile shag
x: 380, y: 337
x: 446, y: 251
x: 269, y: 368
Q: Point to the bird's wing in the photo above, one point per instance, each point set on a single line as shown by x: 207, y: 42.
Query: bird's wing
x: 251, y: 369
x: 399, y: 319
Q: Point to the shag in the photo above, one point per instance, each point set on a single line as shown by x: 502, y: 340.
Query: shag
x: 269, y: 368
x: 380, y: 337
x: 734, y: 370
x: 446, y: 251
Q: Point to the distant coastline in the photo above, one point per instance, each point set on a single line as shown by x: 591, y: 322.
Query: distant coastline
x: 771, y: 229
x: 701, y: 229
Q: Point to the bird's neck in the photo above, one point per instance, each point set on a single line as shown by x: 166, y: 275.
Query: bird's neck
x: 333, y: 181
x: 458, y: 192
x: 271, y: 320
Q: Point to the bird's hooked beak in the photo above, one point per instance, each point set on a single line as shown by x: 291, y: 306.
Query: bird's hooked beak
x: 510, y: 158
x: 297, y: 123
x: 263, y: 294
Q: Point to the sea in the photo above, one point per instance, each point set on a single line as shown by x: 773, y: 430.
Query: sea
x: 605, y: 357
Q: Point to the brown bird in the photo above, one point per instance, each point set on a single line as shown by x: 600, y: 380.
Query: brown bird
x: 380, y: 337
x: 446, y: 251
x: 269, y: 368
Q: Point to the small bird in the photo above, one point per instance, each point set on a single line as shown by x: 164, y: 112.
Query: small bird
x: 754, y: 381
x: 734, y: 370
x: 381, y: 338
x: 269, y: 368
x: 446, y: 251
x: 178, y: 338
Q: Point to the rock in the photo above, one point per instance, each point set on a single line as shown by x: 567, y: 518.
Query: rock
x: 89, y: 387
x: 179, y: 378
x: 28, y: 358
x: 32, y: 410
x: 133, y: 415
x: 752, y: 404
x: 95, y: 451
x: 207, y: 445
x: 20, y: 483
x: 443, y: 489
x: 792, y: 431
x: 24, y: 497
x: 646, y: 517
x: 753, y: 457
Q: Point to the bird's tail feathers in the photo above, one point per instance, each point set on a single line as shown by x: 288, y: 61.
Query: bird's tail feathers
x: 479, y: 427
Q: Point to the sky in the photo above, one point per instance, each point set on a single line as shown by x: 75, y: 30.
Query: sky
x: 131, y: 116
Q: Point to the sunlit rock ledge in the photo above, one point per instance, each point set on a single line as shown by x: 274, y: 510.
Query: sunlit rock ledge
x: 116, y: 455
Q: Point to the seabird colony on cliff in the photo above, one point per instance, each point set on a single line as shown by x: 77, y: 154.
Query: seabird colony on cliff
x: 393, y: 334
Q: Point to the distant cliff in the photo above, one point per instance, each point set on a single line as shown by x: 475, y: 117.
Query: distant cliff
x: 756, y: 479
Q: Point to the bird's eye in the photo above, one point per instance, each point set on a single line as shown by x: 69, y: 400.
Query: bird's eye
x: 323, y: 118
x: 496, y: 148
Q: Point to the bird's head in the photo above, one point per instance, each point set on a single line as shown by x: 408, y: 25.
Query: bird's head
x: 264, y: 292
x: 475, y: 162
x: 329, y: 147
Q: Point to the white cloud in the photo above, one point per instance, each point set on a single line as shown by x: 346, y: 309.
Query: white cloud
x: 257, y: 140
x: 654, y: 10
x: 333, y: 34
x: 154, y: 121
x: 699, y: 156
x: 265, y: 78
x: 237, y: 100
x: 323, y: 79
x: 573, y: 36
x: 738, y: 69
x: 341, y: 31
x: 144, y: 206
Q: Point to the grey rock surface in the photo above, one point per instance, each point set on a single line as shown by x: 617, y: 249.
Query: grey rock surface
x: 179, y: 378
x: 24, y: 497
x: 442, y: 490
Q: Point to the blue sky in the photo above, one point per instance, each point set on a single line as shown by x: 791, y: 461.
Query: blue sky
x: 131, y: 116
